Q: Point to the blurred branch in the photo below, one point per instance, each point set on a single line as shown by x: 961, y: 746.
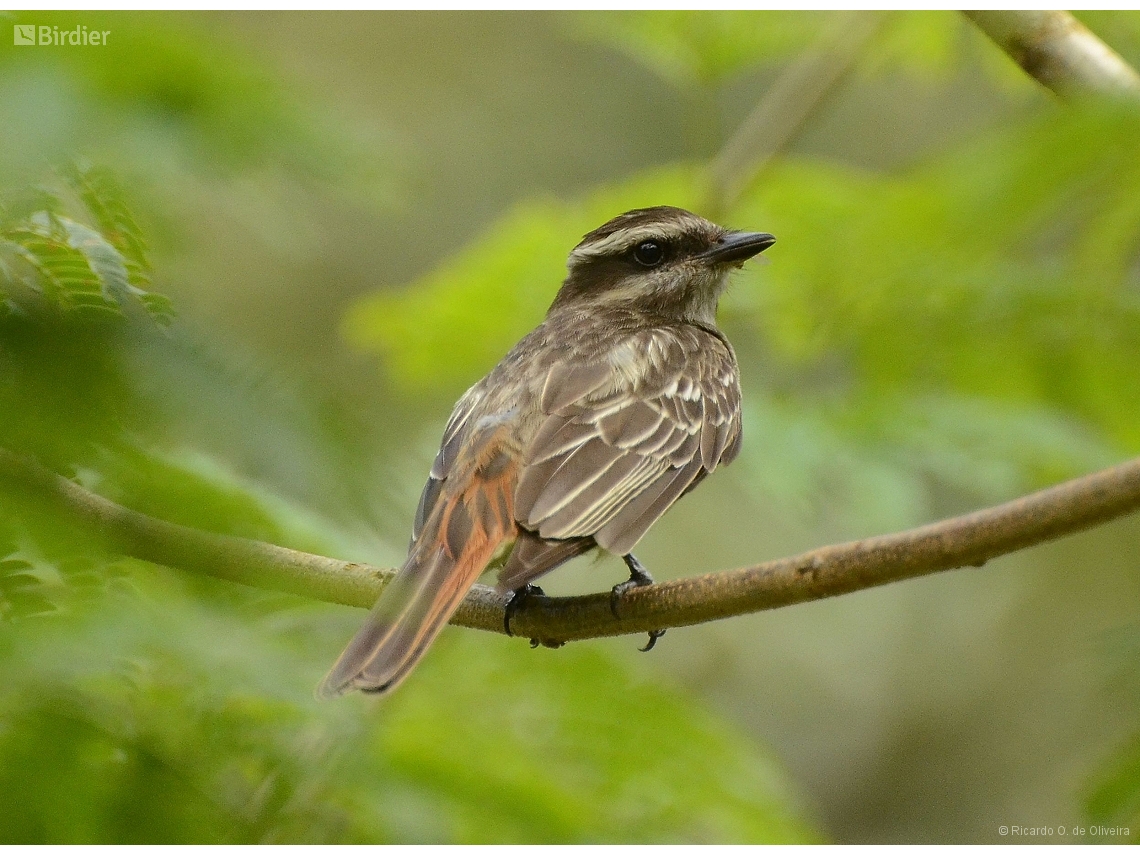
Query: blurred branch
x: 972, y: 539
x: 795, y: 95
x: 1060, y: 52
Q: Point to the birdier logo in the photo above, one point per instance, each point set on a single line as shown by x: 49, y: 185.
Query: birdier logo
x: 80, y: 35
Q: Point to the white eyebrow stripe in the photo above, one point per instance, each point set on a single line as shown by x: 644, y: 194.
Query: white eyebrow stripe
x: 623, y: 239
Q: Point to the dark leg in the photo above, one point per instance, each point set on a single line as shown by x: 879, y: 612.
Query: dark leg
x: 518, y: 597
x: 638, y: 578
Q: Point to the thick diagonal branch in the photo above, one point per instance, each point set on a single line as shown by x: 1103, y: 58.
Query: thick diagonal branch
x: 1060, y: 52
x: 829, y: 571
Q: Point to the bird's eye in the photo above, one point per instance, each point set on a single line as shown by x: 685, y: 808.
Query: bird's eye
x: 649, y: 253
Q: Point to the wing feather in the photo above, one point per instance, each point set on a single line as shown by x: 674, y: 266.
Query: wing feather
x: 619, y: 446
x: 453, y: 437
x: 630, y: 425
x: 568, y: 383
x: 624, y: 530
x: 626, y: 474
x: 578, y: 470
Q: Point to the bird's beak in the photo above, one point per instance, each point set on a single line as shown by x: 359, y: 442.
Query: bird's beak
x: 737, y: 247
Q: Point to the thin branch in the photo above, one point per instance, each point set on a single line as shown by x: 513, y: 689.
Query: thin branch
x: 972, y: 539
x: 1060, y: 52
x: 786, y: 106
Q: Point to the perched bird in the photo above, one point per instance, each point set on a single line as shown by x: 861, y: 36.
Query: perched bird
x: 622, y: 400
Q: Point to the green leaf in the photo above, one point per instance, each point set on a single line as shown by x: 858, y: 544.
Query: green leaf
x: 92, y: 271
x: 65, y: 271
x: 198, y: 490
x: 19, y: 594
x: 101, y: 193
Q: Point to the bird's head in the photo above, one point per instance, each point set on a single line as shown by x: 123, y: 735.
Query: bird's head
x: 664, y: 260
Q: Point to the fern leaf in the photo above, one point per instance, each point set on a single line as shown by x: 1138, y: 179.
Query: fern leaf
x: 65, y: 275
x: 19, y: 591
x: 103, y: 196
x: 79, y: 268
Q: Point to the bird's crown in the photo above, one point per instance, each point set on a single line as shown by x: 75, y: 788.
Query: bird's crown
x: 662, y: 224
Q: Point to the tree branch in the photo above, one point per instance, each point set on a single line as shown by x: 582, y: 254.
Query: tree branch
x: 972, y: 539
x: 776, y: 120
x: 1060, y: 52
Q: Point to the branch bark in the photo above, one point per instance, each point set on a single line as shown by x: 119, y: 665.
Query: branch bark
x: 1060, y: 52
x: 776, y: 120
x: 972, y: 539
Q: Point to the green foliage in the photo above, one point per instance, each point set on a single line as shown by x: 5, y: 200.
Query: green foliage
x: 167, y: 69
x: 101, y: 193
x: 170, y: 713
x: 55, y: 249
x: 468, y: 313
x: 200, y: 491
x: 1003, y: 272
x: 635, y: 762
x: 689, y: 47
x: 1112, y: 797
x: 973, y: 321
x: 962, y: 328
x: 139, y: 706
x: 875, y: 463
x: 18, y: 594
x: 74, y: 299
x: 81, y: 270
x: 707, y: 48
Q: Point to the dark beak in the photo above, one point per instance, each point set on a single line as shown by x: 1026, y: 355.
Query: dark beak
x: 737, y: 247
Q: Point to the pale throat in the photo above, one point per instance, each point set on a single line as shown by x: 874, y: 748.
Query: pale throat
x: 693, y: 302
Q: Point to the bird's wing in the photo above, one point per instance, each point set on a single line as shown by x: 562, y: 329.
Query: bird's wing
x: 624, y: 436
x: 458, y: 426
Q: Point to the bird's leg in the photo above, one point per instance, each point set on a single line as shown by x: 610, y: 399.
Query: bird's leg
x: 518, y: 598
x: 638, y: 578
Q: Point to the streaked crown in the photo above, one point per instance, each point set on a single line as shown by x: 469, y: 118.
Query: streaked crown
x: 664, y: 260
x: 673, y: 227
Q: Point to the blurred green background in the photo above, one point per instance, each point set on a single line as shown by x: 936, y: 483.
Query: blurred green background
x: 249, y: 260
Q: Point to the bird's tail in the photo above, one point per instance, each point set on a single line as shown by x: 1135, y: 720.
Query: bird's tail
x: 458, y: 539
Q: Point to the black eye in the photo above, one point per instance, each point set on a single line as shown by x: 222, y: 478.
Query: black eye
x: 649, y: 253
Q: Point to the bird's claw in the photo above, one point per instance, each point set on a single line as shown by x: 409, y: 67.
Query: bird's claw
x: 638, y: 578
x: 518, y: 598
x: 654, y: 634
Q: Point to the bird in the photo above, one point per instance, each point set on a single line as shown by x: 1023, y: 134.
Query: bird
x: 622, y: 400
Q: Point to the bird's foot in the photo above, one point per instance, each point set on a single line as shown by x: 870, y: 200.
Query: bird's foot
x: 638, y: 578
x: 518, y: 598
